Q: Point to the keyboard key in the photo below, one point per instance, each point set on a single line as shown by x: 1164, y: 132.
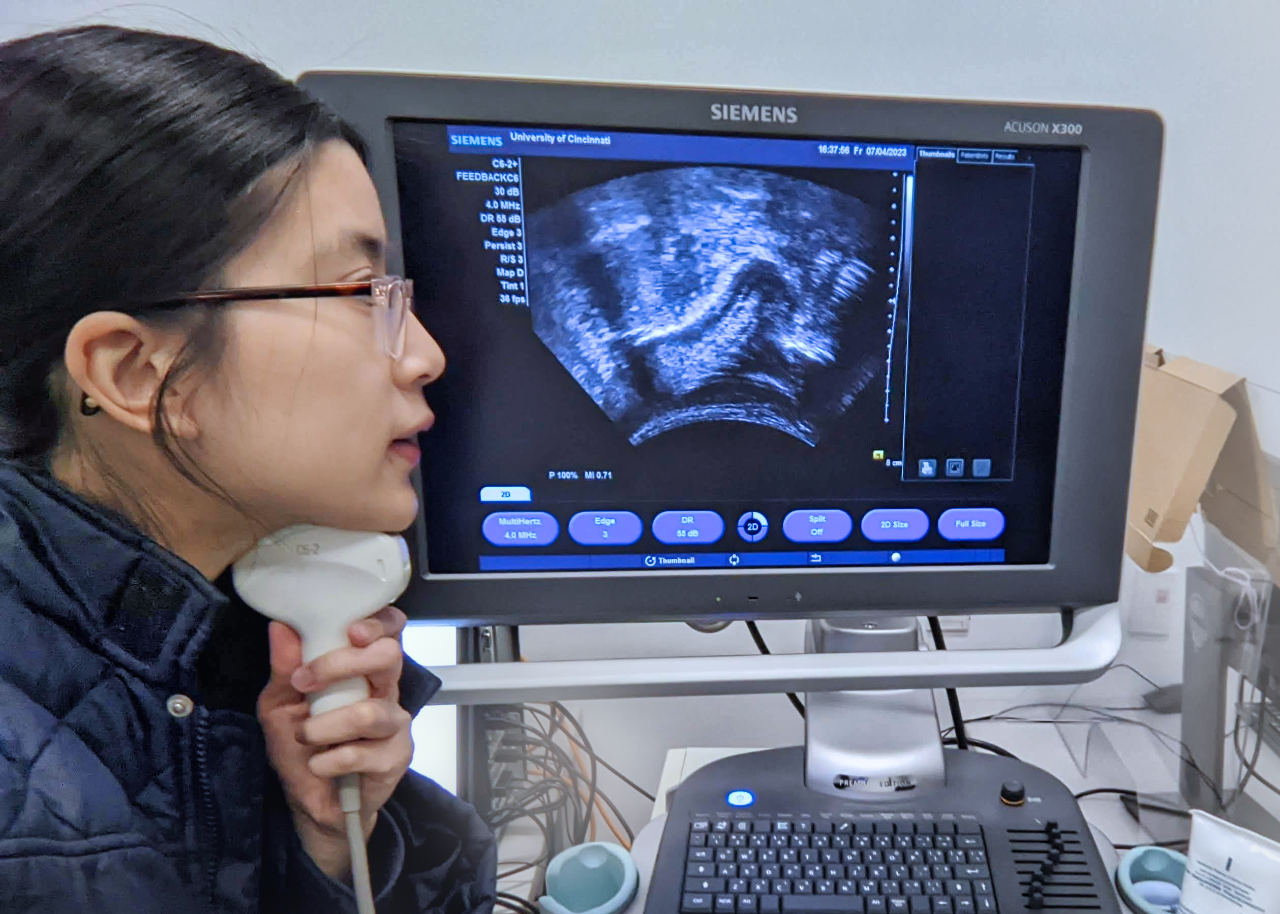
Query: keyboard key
x: 944, y: 828
x: 770, y: 904
x: 759, y: 842
x: 878, y: 872
x: 747, y: 856
x: 761, y: 826
x: 984, y: 904
x: 955, y: 857
x: 983, y: 887
x: 726, y: 855
x: 933, y: 857
x: 823, y: 827
x: 760, y: 886
x: 782, y: 827
x: 822, y: 904
x: 726, y: 904
x: 944, y: 872
x: 738, y: 887
x: 742, y: 827
x: 862, y: 842
x: 869, y: 887
x: 747, y: 904
x: 717, y: 840
x: 804, y: 828
x: 890, y: 887
x: 920, y: 905
x: 801, y: 840
x: 969, y: 827
x: 789, y: 856
x: 894, y: 857
x: 884, y: 828
x: 882, y: 842
x: 782, y: 886
x: 820, y: 841
x: 700, y: 869
x: 846, y: 887
x: 977, y: 856
x: 695, y: 904
x: 973, y: 871
x: 969, y: 842
x: 726, y: 871
x: 701, y: 855
x: 921, y: 873
x: 824, y: 887
x: 903, y: 842
x: 737, y: 841
x: 856, y: 872
x: 698, y: 839
x: 793, y: 871
x: 722, y: 826
x: 776, y: 841
x: 899, y: 905
x: 700, y: 825
x: 848, y: 857
x: 924, y: 842
x: 943, y: 905
x: 872, y: 857
x: 808, y: 856
x: 959, y: 887
x: 913, y: 858
x: 912, y: 887
x: 944, y: 842
x: 899, y: 872
x: 703, y: 886
x: 767, y: 856
x: 802, y: 887
x: 877, y: 905
x: 844, y: 828
x: 841, y: 842
x: 934, y: 887
x: 813, y: 871
x: 749, y: 871
x: 964, y: 906
x: 830, y: 857
x: 771, y: 871
x: 834, y: 872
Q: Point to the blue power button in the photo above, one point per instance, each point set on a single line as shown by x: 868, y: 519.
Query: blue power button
x: 740, y: 798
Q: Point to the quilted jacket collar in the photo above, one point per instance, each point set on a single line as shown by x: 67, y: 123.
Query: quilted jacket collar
x: 130, y: 599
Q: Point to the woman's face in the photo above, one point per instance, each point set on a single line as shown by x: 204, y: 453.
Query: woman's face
x: 306, y: 418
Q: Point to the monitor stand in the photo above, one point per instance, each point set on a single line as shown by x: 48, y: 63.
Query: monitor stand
x: 881, y: 744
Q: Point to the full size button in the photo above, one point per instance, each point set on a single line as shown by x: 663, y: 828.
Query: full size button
x: 971, y: 524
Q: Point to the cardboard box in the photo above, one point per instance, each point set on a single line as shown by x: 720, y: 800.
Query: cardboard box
x: 1197, y: 444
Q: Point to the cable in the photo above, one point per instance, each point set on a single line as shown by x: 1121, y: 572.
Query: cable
x: 603, y: 764
x: 516, y: 903
x: 764, y: 649
x: 1101, y: 791
x: 359, y: 865
x: 982, y: 744
x: 953, y: 697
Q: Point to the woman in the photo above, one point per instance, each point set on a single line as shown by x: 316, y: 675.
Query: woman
x: 155, y: 749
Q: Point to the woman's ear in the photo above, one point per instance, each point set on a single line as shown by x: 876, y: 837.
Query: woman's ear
x: 120, y: 362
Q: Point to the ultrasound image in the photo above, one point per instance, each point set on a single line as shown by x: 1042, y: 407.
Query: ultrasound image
x: 707, y: 294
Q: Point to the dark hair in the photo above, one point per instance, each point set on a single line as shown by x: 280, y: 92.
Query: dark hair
x: 132, y: 169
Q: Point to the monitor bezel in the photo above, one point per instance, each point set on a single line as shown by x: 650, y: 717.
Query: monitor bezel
x: 1119, y: 184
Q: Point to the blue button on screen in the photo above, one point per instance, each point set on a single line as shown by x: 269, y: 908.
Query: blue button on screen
x: 605, y: 528
x: 509, y: 528
x: 895, y: 525
x: 971, y: 524
x: 687, y: 528
x: 817, y: 525
x: 740, y: 798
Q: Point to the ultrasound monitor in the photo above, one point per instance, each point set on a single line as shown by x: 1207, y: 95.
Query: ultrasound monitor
x: 715, y: 353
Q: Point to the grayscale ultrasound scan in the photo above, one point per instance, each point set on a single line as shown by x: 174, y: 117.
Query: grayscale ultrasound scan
x: 703, y: 294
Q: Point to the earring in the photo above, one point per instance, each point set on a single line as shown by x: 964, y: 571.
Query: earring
x: 89, y: 406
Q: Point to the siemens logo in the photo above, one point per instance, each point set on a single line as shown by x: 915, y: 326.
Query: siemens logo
x: 1043, y: 127
x: 767, y: 114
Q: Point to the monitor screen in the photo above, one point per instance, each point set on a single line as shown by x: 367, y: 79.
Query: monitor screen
x: 677, y: 351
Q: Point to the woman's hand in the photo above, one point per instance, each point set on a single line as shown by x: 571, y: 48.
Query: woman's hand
x: 370, y: 737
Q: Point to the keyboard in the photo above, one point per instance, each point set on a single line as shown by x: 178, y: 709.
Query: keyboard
x: 794, y: 865
x: 745, y: 836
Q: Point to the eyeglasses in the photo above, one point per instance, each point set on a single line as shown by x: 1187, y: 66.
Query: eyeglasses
x: 391, y: 298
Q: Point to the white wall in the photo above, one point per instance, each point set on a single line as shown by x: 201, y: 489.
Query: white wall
x: 1211, y: 68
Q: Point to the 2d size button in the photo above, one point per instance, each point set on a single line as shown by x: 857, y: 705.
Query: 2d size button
x: 605, y: 528
x: 688, y: 527
x: 817, y: 525
x: 971, y: 524
x: 511, y: 528
x: 895, y: 525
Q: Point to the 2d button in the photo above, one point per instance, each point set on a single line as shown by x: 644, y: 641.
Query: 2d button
x: 971, y: 524
x: 511, y: 528
x: 605, y: 528
x: 688, y: 527
x: 753, y: 526
x: 817, y: 525
x: 895, y: 525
